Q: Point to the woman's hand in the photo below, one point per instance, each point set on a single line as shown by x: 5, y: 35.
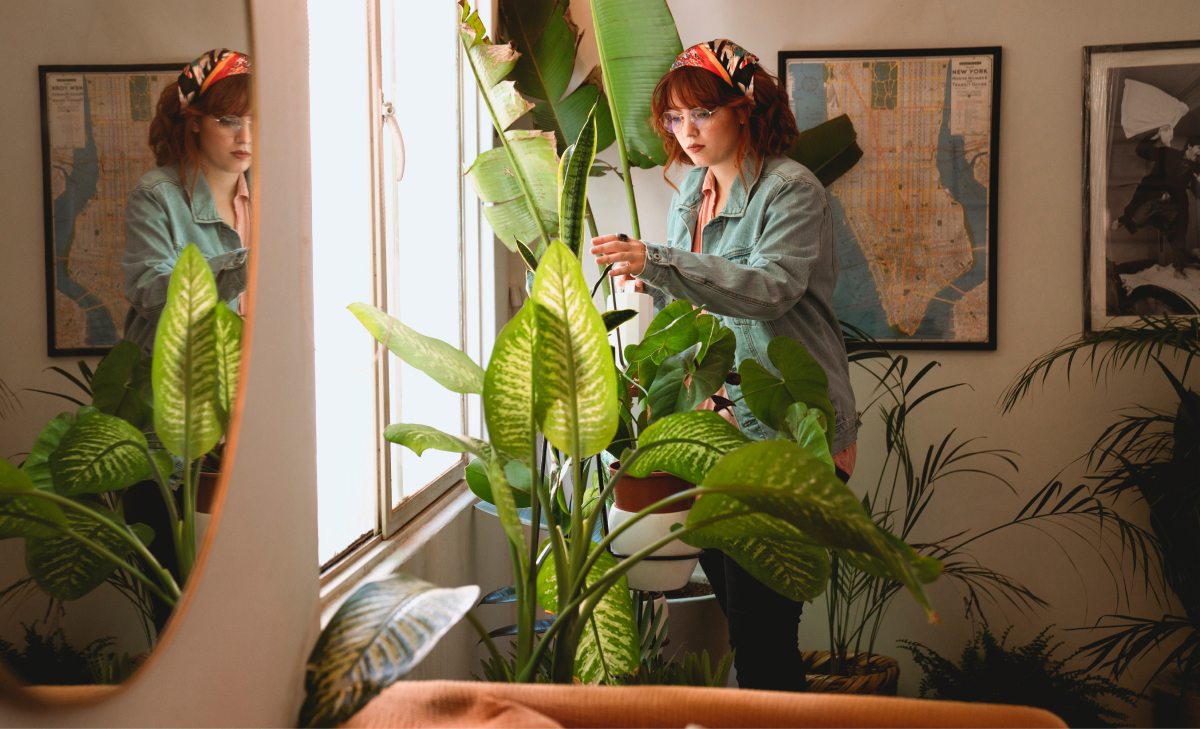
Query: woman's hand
x: 627, y: 254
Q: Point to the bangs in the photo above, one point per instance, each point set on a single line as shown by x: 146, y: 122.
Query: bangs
x: 689, y: 87
x: 230, y: 95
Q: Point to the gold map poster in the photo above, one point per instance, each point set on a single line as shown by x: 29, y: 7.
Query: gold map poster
x: 95, y: 126
x: 915, y: 217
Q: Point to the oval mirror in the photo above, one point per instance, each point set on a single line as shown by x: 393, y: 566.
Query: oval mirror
x: 125, y: 201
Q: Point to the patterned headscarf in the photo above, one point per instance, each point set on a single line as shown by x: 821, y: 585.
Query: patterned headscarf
x: 732, y: 63
x: 208, y: 69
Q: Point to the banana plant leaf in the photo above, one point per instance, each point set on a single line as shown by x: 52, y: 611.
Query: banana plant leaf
x: 829, y: 149
x: 379, y: 634
x: 493, y: 179
x: 547, y: 39
x: 638, y: 43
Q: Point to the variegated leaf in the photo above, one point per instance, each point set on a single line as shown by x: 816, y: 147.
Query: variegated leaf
x: 575, y: 380
x: 508, y: 387
x: 377, y: 636
x: 66, y: 569
x: 608, y: 643
x: 573, y: 173
x: 185, y: 361
x: 510, y: 520
x: 99, y: 453
x: 420, y: 438
x: 689, y: 461
x: 789, y: 483
x: 229, y: 360
x: 24, y: 516
x: 449, y: 367
x: 494, y: 181
x: 37, y: 465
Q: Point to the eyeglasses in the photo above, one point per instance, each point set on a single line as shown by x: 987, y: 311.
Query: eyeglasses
x: 231, y: 123
x: 673, y: 121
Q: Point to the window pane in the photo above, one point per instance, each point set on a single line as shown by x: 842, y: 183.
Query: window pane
x: 342, y: 253
x: 424, y: 219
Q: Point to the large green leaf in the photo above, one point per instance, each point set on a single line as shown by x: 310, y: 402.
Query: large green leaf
x: 504, y: 204
x: 672, y: 330
x: 185, y: 361
x: 510, y: 520
x: 492, y: 63
x: 508, y: 387
x: 638, y: 43
x: 784, y: 480
x: 448, y: 366
x: 566, y: 119
x: 668, y: 392
x: 575, y: 380
x: 829, y: 149
x: 37, y: 465
x: 480, y: 485
x: 229, y: 360
x: 99, y: 453
x: 573, y: 171
x: 608, y: 644
x: 420, y: 438
x: 115, y: 386
x: 25, y: 516
x: 713, y: 437
x: 66, y: 569
x: 801, y: 379
x: 379, y: 634
x: 807, y: 426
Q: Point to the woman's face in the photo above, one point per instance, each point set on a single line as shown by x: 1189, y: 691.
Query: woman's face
x: 714, y: 144
x: 224, y: 143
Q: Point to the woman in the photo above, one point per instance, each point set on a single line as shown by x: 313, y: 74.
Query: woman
x: 200, y: 137
x: 750, y: 239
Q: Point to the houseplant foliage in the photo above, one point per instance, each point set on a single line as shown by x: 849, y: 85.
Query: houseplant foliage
x: 1028, y: 675
x: 551, y: 385
x: 1152, y: 456
x: 148, y: 420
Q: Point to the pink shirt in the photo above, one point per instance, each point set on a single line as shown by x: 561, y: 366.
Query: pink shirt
x: 241, y: 223
x: 845, y: 458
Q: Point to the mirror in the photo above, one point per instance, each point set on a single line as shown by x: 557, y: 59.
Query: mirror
x: 98, y: 470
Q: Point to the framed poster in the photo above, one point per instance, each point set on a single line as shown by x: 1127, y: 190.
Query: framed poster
x: 1141, y: 182
x: 916, y: 217
x: 95, y: 131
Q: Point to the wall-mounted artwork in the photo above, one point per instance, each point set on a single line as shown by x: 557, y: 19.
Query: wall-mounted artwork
x: 916, y: 217
x: 1141, y: 172
x: 95, y: 126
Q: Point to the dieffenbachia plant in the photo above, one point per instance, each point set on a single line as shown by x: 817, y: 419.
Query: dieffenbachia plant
x: 65, y: 499
x: 551, y: 383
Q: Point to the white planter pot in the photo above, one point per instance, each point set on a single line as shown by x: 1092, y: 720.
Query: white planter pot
x: 669, y: 567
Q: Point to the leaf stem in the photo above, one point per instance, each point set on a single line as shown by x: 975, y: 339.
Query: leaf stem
x: 617, y: 126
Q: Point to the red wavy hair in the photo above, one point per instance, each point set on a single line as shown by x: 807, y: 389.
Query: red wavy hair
x: 171, y: 138
x: 772, y: 127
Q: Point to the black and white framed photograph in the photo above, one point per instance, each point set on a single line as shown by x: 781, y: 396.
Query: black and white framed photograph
x: 1141, y: 204
x: 915, y: 219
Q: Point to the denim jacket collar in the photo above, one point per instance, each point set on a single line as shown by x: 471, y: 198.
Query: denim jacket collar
x: 735, y: 205
x: 200, y: 200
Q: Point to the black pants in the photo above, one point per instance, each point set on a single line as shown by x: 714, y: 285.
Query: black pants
x: 762, y: 625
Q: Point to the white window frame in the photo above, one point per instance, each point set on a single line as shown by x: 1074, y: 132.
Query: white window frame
x: 477, y: 302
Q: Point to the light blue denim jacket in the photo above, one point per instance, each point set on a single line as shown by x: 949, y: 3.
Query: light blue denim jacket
x: 768, y: 269
x: 161, y: 218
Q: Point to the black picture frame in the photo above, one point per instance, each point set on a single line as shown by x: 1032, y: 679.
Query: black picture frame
x: 1106, y: 301
x: 989, y: 261
x: 54, y: 347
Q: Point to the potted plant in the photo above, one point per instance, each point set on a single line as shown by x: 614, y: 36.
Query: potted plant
x: 65, y: 500
x: 551, y: 386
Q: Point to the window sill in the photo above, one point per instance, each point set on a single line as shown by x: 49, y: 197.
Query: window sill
x: 379, y: 557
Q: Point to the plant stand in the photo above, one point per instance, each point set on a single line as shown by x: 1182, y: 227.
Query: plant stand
x: 669, y: 567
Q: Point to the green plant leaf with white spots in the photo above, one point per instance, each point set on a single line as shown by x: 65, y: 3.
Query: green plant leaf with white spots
x: 66, y: 569
x: 449, y: 367
x: 99, y: 453
x: 229, y: 360
x: 508, y: 387
x: 25, y: 516
x: 37, y: 465
x: 575, y: 380
x: 420, y: 438
x: 184, y: 371
x: 608, y: 644
x: 713, y: 435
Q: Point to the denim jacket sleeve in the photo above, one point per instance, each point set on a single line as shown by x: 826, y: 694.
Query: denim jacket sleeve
x: 775, y: 273
x: 150, y: 256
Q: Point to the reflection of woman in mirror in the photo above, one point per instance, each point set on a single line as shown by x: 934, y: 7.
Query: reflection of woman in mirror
x: 200, y: 137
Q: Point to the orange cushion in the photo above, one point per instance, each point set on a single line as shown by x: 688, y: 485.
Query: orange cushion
x: 473, y: 704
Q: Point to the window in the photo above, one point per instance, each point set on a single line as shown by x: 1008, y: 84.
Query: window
x: 394, y: 225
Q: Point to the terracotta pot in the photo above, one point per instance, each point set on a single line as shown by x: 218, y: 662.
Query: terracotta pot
x: 669, y: 567
x: 878, y: 677
x: 206, y: 491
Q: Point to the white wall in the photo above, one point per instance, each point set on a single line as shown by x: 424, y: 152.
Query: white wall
x: 1040, y: 270
x: 63, y: 32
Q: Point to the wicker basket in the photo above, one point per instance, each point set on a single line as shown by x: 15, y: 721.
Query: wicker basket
x: 879, y: 676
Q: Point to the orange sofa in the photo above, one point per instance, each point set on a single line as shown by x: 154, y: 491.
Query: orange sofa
x: 471, y: 704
